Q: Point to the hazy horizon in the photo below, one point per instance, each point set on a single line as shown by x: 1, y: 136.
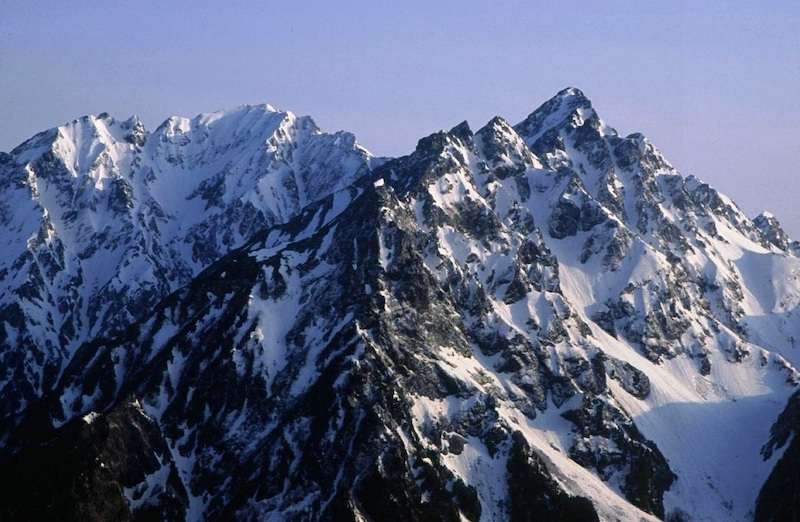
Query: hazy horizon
x: 714, y: 86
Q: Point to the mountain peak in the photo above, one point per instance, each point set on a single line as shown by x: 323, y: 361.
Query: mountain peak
x: 558, y: 111
x: 462, y: 131
x: 771, y: 229
x: 574, y: 94
x: 500, y: 123
x: 501, y: 145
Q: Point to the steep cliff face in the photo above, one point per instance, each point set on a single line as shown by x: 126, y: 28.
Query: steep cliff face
x: 540, y: 321
x: 778, y: 498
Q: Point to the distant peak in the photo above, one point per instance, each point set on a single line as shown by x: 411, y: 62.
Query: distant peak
x: 462, y: 131
x: 771, y: 230
x: 568, y: 100
x: 571, y: 93
x: 497, y: 127
x: 86, y: 119
x: 555, y: 112
x: 241, y: 111
x: 258, y: 107
x: 498, y: 122
x: 261, y: 119
x: 502, y: 147
x: 136, y: 133
x: 133, y: 121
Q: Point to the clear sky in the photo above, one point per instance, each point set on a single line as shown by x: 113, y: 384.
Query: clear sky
x: 715, y: 85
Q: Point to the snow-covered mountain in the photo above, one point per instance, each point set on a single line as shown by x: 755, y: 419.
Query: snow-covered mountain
x: 543, y: 321
x: 102, y: 219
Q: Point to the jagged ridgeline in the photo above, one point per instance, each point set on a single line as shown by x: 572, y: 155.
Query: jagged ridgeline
x: 241, y: 317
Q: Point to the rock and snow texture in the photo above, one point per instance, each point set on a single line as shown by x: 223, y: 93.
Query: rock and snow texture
x: 101, y: 219
x: 543, y: 321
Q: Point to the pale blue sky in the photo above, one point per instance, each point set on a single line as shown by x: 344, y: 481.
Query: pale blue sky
x: 716, y: 85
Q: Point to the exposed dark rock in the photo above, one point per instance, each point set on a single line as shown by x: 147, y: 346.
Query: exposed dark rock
x: 82, y: 472
x: 534, y: 495
x: 779, y: 498
x: 646, y: 475
x: 565, y: 219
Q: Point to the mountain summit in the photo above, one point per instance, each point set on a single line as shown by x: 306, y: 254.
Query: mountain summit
x: 239, y: 316
x: 102, y: 219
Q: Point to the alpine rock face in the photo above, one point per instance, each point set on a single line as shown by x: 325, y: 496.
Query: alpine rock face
x: 241, y: 317
x: 102, y: 219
